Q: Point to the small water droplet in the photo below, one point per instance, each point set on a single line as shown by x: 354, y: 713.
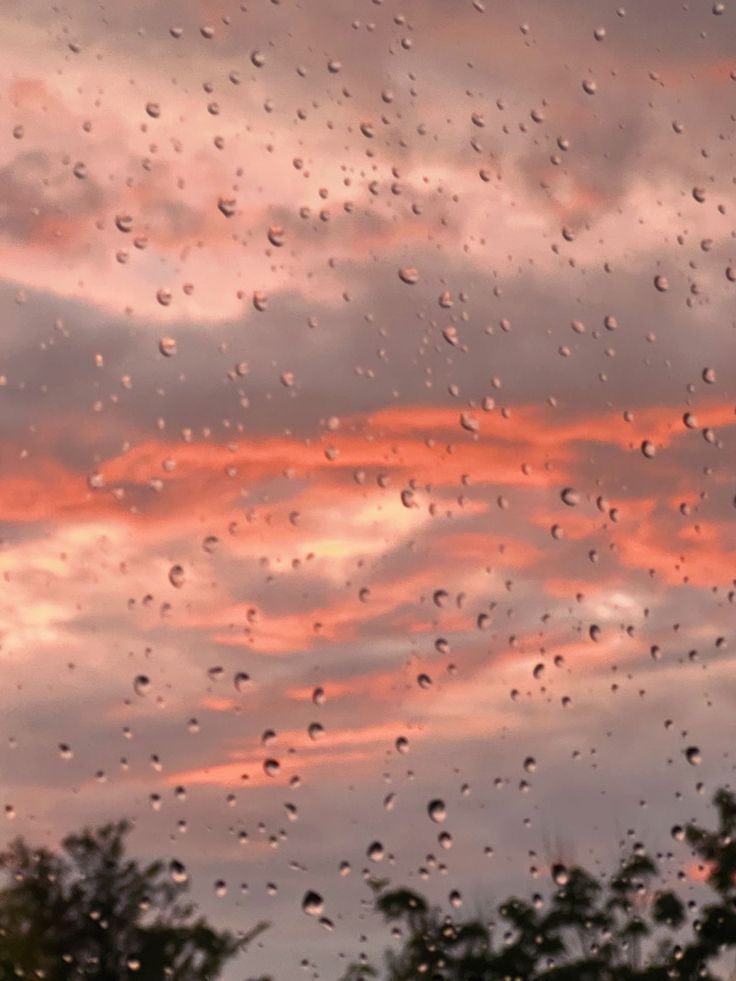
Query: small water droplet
x: 178, y: 871
x: 402, y: 744
x: 227, y: 206
x: 142, y: 684
x: 242, y: 682
x: 437, y: 810
x: 560, y: 875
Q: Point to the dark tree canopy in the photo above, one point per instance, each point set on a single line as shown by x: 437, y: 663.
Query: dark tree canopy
x: 88, y: 911
x: 622, y: 928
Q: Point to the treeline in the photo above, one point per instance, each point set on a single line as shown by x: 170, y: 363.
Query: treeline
x: 88, y: 911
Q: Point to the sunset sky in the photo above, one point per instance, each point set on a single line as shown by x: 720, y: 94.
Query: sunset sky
x: 368, y: 373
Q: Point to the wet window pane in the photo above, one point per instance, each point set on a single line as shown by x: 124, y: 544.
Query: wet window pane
x: 367, y: 448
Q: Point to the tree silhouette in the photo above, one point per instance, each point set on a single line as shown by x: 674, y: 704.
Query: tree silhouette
x: 88, y: 911
x: 618, y: 928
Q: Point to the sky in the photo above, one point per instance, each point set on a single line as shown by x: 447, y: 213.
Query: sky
x: 367, y: 421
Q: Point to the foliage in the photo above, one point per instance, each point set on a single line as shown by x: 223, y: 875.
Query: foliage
x: 88, y: 911
x: 620, y: 928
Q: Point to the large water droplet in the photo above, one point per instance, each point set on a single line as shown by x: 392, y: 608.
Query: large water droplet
x: 313, y: 904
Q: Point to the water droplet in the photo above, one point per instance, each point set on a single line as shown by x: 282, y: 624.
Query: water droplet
x: 437, y: 810
x: 227, y: 206
x: 176, y: 576
x: 167, y: 347
x: 271, y: 767
x: 316, y: 731
x: 692, y: 755
x: 661, y: 283
x: 313, y: 904
x: 469, y: 422
x: 123, y: 222
x: 258, y: 59
x: 260, y: 300
x: 142, y: 684
x: 178, y: 871
x: 318, y: 696
x: 560, y: 875
x: 276, y: 236
x: 530, y: 764
x: 409, y: 275
x: 242, y: 682
x: 375, y: 852
x: 648, y: 449
x: 402, y: 744
x: 570, y: 497
x: 595, y: 632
